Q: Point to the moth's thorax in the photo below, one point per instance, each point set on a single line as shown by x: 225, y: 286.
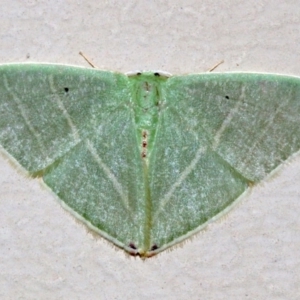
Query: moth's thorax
x: 147, y: 97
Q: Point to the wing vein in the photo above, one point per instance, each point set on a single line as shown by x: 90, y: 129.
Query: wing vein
x: 263, y: 133
x: 64, y: 111
x: 109, y: 174
x: 227, y: 120
x: 25, y: 116
x: 166, y: 199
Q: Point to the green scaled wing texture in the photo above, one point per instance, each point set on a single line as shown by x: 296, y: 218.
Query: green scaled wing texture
x: 147, y: 160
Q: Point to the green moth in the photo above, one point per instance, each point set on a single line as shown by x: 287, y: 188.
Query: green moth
x: 147, y: 160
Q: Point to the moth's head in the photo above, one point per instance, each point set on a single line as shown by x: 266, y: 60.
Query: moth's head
x: 149, y: 74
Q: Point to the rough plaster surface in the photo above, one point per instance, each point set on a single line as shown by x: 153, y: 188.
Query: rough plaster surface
x: 252, y: 253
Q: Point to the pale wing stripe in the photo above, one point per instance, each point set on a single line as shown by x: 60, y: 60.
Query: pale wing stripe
x: 227, y: 120
x: 64, y: 111
x: 109, y: 174
x: 180, y: 180
x: 25, y: 117
x: 269, y: 124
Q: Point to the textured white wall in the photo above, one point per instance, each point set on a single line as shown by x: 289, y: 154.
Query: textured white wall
x: 252, y: 253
